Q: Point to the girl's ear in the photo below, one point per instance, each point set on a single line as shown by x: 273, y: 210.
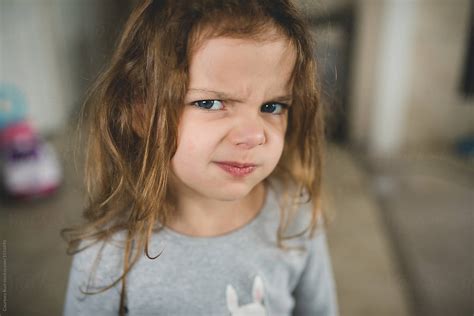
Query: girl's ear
x: 138, y: 119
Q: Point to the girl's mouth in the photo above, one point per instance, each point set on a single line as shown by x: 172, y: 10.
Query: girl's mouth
x: 237, y: 169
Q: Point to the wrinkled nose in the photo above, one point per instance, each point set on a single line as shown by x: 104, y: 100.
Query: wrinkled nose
x: 248, y: 133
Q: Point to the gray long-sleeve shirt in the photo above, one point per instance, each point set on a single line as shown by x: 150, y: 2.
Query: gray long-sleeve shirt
x: 240, y: 273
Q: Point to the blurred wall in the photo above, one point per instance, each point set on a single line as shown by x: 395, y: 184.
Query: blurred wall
x: 437, y: 113
x: 29, y: 59
x: 407, y: 69
x: 52, y: 51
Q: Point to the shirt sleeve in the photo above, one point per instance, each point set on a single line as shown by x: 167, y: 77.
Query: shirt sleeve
x: 315, y: 292
x: 80, y: 278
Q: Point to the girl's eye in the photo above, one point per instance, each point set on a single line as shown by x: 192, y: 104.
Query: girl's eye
x: 209, y: 104
x: 274, y: 108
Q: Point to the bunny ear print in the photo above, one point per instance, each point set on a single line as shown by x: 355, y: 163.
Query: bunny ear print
x: 257, y: 290
x: 232, y: 299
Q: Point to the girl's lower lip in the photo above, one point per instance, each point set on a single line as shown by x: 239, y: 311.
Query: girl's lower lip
x: 236, y: 171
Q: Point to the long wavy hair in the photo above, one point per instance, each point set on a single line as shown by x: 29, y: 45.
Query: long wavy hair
x: 132, y: 113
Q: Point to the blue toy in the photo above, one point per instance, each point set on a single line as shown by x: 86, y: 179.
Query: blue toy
x: 12, y: 105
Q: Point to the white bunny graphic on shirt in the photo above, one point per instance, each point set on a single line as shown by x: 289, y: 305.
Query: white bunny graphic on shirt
x: 253, y: 309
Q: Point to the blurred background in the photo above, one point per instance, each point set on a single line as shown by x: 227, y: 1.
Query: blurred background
x: 397, y: 80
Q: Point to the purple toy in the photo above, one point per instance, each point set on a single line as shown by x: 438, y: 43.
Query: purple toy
x: 28, y: 166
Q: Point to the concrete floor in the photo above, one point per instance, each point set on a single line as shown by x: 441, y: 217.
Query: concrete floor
x: 367, y: 274
x: 428, y: 206
x: 365, y: 257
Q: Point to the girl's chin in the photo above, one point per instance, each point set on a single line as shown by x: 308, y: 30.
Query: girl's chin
x: 233, y: 192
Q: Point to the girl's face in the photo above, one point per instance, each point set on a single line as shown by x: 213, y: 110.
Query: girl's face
x: 235, y: 115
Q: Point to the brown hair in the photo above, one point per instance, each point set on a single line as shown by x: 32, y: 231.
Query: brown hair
x: 133, y: 110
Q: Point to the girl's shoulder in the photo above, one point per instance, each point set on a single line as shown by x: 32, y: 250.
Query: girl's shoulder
x: 101, y: 259
x: 96, y: 268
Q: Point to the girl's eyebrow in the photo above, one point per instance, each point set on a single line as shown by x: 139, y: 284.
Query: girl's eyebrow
x: 218, y: 94
x: 284, y: 98
x: 225, y: 96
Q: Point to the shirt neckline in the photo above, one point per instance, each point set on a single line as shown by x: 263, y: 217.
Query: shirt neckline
x: 235, y: 233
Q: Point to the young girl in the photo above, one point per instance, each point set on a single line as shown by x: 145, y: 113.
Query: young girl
x: 204, y: 168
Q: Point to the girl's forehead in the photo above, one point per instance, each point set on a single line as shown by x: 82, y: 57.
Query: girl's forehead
x: 244, y: 66
x: 278, y: 50
x: 275, y: 47
x: 265, y: 34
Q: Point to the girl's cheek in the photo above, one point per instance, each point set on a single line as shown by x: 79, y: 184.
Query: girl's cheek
x: 277, y: 128
x: 277, y: 121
